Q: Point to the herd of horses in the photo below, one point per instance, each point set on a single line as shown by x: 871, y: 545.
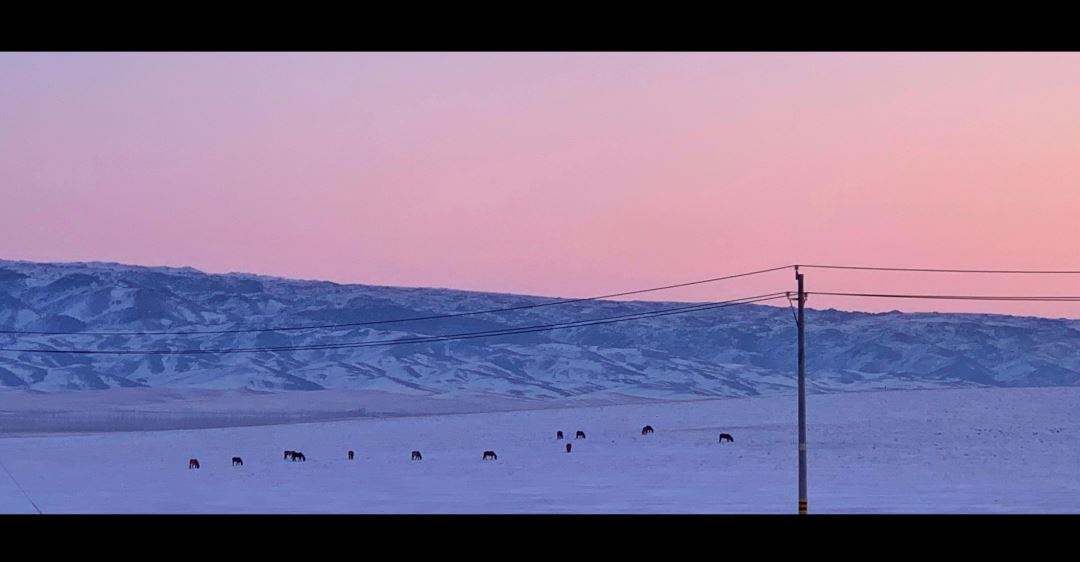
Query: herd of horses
x: 416, y: 456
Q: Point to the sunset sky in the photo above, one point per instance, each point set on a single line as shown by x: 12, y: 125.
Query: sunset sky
x: 561, y: 174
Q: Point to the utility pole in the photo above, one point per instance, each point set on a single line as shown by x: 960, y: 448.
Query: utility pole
x: 802, y: 394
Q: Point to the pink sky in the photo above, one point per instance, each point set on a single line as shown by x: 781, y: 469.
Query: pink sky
x: 557, y: 174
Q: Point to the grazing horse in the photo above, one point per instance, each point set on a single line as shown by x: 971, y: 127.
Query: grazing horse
x: 350, y: 455
x: 490, y: 455
x: 193, y: 463
x: 646, y: 429
x: 568, y: 445
x: 558, y: 435
x: 727, y: 437
x: 237, y: 461
x: 287, y: 455
x: 298, y: 456
x: 416, y: 456
x: 580, y: 435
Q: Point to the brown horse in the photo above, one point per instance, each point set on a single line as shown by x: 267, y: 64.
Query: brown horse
x: 580, y: 435
x: 298, y: 456
x: 490, y: 455
x: 350, y: 455
x: 287, y: 455
x: 726, y: 437
x: 568, y: 445
x: 416, y: 456
x: 558, y: 435
x: 237, y: 461
x: 193, y: 463
x: 646, y: 430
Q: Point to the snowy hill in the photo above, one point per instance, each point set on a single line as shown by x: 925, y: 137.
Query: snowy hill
x: 738, y: 351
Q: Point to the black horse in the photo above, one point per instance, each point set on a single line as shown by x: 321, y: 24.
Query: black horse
x: 350, y: 455
x: 580, y: 435
x: 726, y: 437
x: 558, y: 435
x: 237, y: 461
x: 490, y: 455
x: 416, y: 456
x: 646, y: 429
x: 193, y: 463
x: 568, y: 446
x: 298, y: 456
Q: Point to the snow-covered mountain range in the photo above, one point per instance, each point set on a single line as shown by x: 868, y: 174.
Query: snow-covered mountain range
x: 737, y: 351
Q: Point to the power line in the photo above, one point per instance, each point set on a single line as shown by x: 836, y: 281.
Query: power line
x: 933, y: 270
x: 19, y: 486
x: 520, y: 307
x: 956, y: 297
x: 572, y: 301
x: 425, y: 339
x: 398, y: 320
x: 422, y: 339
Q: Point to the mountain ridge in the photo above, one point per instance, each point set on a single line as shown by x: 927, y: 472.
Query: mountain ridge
x: 738, y: 351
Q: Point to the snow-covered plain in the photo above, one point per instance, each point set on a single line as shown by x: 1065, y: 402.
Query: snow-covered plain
x: 989, y: 450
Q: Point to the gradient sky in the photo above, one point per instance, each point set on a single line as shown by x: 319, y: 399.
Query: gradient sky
x: 562, y: 174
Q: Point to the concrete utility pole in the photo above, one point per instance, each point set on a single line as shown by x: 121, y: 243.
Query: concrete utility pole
x: 802, y: 395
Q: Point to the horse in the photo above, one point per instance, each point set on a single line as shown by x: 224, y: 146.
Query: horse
x: 416, y: 456
x: 558, y: 435
x: 287, y: 455
x: 490, y: 455
x: 298, y: 456
x: 350, y: 455
x: 646, y: 429
x: 726, y: 436
x: 193, y: 463
x: 568, y: 445
x: 580, y: 435
x: 237, y: 461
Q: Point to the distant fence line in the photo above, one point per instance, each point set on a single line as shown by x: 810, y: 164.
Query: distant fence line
x: 46, y: 421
